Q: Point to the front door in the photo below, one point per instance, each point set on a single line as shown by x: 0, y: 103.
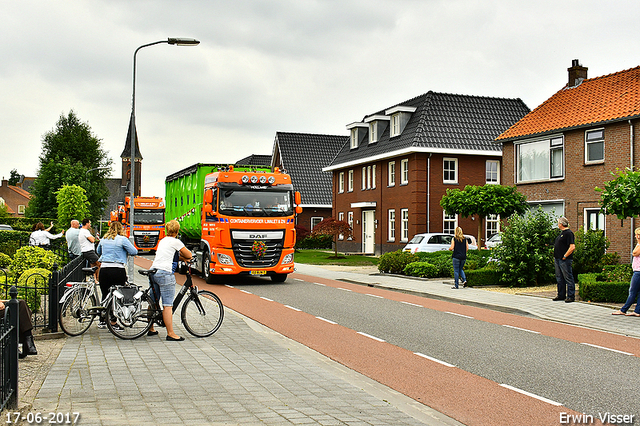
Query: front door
x: 368, y: 231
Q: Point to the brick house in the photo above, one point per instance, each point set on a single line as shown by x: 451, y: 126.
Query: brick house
x: 567, y: 146
x: 303, y: 155
x: 15, y: 198
x: 389, y: 178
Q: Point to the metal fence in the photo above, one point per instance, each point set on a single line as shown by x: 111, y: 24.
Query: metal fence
x: 9, y: 349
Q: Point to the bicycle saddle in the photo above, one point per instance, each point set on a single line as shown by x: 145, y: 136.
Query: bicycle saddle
x: 147, y: 271
x: 90, y: 271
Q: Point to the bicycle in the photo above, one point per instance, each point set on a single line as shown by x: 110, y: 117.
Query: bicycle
x: 79, y: 304
x: 202, y: 312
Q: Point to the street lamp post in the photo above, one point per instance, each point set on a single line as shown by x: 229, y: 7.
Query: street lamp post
x: 132, y: 137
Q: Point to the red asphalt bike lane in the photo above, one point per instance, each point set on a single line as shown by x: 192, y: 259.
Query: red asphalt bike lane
x: 468, y: 398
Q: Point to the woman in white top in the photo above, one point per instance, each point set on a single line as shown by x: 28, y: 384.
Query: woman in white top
x: 170, y: 251
x: 42, y: 237
x: 634, y: 287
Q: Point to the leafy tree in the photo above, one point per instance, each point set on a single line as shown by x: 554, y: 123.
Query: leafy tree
x: 72, y: 204
x: 484, y: 201
x: 14, y: 177
x: 3, y: 211
x: 68, y: 153
x: 525, y: 257
x: 335, y: 228
x: 621, y: 196
x: 591, y: 246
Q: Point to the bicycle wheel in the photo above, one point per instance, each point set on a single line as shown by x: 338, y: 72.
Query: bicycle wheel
x: 202, y: 314
x: 137, y: 325
x: 74, y: 316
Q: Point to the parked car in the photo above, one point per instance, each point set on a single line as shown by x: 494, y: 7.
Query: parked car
x: 6, y: 228
x: 473, y: 244
x: 429, y: 243
x: 494, y: 241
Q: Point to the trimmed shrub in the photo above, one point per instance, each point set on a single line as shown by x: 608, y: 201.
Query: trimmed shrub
x: 32, y: 284
x: 5, y: 260
x: 421, y: 269
x: 484, y: 276
x: 320, y: 242
x: 593, y: 289
x: 441, y: 260
x: 394, y: 262
x: 590, y: 249
x: 32, y: 257
x: 615, y: 273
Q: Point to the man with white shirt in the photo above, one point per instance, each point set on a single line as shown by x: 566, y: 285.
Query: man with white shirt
x: 87, y: 245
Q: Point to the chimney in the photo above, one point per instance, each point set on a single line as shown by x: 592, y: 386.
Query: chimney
x: 577, y: 73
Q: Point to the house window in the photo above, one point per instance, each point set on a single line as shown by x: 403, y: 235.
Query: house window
x: 341, y: 182
x: 350, y: 188
x: 392, y: 173
x: 364, y: 178
x: 404, y: 226
x: 373, y: 176
x: 21, y: 208
x: 392, y: 225
x: 354, y: 138
x: 373, y: 132
x: 350, y: 221
x: 450, y: 170
x: 341, y: 219
x: 449, y: 223
x: 315, y: 221
x: 492, y: 225
x: 395, y: 125
x: 368, y: 177
x: 594, y: 219
x: 404, y: 171
x: 594, y: 146
x: 493, y: 172
x: 541, y: 160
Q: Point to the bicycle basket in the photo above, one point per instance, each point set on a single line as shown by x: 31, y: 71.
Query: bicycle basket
x: 126, y: 304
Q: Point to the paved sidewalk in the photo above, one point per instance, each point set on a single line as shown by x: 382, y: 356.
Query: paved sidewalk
x: 577, y: 313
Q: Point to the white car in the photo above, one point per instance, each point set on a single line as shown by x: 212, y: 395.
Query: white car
x: 428, y: 243
x: 494, y: 241
x: 6, y: 228
x: 473, y: 244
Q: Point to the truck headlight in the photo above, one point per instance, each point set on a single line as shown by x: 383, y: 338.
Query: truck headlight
x: 225, y: 259
x: 287, y: 259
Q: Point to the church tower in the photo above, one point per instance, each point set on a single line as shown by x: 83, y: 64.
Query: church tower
x: 126, y: 163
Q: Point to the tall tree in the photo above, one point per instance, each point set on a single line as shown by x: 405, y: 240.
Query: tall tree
x: 621, y: 196
x: 14, y: 177
x: 72, y: 204
x: 484, y: 201
x: 69, y: 152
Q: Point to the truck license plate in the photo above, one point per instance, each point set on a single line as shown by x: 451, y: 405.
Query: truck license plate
x: 258, y: 273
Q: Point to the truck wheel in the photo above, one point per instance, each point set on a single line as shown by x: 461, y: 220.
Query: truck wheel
x: 206, y: 263
x: 278, y: 278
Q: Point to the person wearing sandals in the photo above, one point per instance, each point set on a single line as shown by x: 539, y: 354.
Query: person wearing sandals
x: 170, y: 251
x: 459, y: 246
x: 113, y: 250
x: 634, y: 286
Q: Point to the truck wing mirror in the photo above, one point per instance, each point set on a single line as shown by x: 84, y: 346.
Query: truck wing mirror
x: 208, y: 196
x: 297, y: 198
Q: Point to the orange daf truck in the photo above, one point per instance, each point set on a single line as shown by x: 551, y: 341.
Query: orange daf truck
x: 236, y: 220
x: 148, y: 225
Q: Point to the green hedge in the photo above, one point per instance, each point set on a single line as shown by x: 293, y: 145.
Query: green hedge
x: 421, y: 269
x: 593, y: 289
x: 483, y: 276
x: 321, y: 242
x: 394, y: 262
x: 33, y: 283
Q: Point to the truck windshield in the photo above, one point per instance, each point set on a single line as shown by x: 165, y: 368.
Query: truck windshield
x: 148, y: 217
x: 255, y: 203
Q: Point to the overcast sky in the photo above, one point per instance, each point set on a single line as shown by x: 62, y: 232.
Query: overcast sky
x: 265, y: 66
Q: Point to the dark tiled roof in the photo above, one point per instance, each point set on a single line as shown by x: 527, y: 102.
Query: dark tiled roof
x: 442, y: 122
x: 255, y: 160
x: 303, y: 156
x: 603, y: 99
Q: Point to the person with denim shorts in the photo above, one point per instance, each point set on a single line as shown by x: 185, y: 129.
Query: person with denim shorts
x: 634, y: 286
x: 170, y: 251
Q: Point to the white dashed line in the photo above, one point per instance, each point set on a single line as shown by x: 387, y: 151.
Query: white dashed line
x: 245, y: 291
x: 291, y: 307
x: 446, y: 364
x: 374, y: 295
x: 324, y: 285
x: 267, y: 299
x: 608, y: 349
x: 458, y: 315
x: 532, y: 395
x: 230, y: 286
x: 521, y: 329
x: 412, y: 304
x: 343, y: 289
x: 326, y: 320
x: 370, y: 336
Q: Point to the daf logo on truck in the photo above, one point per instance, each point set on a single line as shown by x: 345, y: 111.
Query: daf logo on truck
x: 244, y: 221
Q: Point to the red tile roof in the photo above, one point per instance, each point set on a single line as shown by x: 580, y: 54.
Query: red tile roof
x: 20, y: 191
x: 611, y: 97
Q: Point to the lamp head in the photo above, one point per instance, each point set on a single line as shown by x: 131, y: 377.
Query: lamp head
x: 183, y: 41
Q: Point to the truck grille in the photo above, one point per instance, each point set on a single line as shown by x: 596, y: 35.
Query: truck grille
x: 146, y: 241
x: 246, y: 258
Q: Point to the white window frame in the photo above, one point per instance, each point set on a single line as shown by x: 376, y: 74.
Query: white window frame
x: 373, y: 177
x: 404, y: 225
x: 489, y: 172
x: 588, y: 143
x: 392, y: 225
x: 392, y: 173
x: 549, y: 150
x: 368, y: 177
x: 600, y: 218
x: 364, y: 178
x: 446, y: 170
x: 350, y: 181
x: 373, y: 132
x: 395, y: 125
x: 340, y: 182
x: 492, y: 225
x: 22, y: 208
x: 354, y: 138
x: 315, y: 219
x: 341, y: 219
x: 404, y: 171
x: 350, y: 222
x: 446, y: 218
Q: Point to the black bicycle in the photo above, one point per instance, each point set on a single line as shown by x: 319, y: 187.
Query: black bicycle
x: 136, y: 311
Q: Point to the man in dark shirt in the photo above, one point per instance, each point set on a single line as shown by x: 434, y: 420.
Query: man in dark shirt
x: 563, y: 259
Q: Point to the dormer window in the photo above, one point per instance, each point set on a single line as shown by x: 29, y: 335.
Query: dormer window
x: 358, y: 133
x: 377, y: 125
x: 400, y: 116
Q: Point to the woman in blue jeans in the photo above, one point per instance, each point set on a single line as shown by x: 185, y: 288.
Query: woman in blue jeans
x: 459, y: 246
x: 634, y: 287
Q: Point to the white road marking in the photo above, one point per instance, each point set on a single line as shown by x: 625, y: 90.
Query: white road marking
x: 412, y: 304
x: 245, y: 291
x: 267, y: 299
x: 446, y: 364
x: 370, y: 336
x: 521, y: 329
x: 344, y: 289
x: 374, y: 295
x: 532, y: 395
x: 326, y: 320
x: 291, y: 307
x: 230, y: 286
x: 459, y: 315
x: 324, y: 285
x: 608, y: 349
